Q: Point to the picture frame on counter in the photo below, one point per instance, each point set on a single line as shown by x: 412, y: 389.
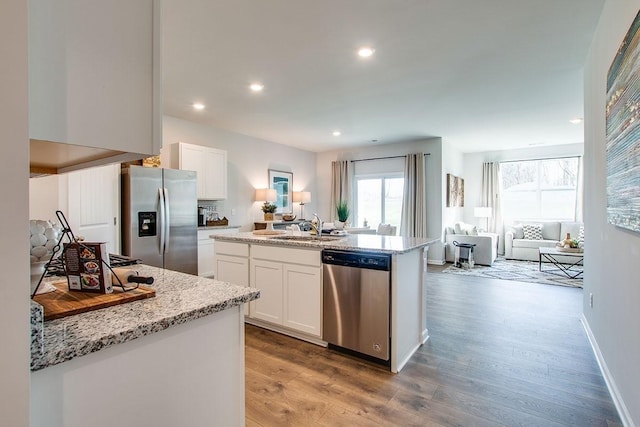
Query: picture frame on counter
x: 282, y: 182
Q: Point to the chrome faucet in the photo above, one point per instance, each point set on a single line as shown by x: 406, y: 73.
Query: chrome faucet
x: 318, y: 225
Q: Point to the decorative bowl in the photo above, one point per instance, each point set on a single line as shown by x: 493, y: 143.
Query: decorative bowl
x: 288, y: 217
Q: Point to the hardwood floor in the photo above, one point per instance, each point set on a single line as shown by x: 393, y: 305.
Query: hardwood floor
x: 500, y: 353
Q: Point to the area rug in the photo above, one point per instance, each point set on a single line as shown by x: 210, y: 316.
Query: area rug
x: 523, y: 271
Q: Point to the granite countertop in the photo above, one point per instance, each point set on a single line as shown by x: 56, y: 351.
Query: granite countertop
x: 352, y: 242
x: 179, y: 298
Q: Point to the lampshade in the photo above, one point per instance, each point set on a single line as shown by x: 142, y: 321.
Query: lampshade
x: 266, y: 195
x: 482, y: 212
x: 301, y: 197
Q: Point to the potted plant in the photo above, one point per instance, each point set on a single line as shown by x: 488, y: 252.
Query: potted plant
x: 342, y: 209
x: 269, y: 209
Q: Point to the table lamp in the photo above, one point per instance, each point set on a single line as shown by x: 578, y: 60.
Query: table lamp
x: 483, y: 212
x: 302, y: 197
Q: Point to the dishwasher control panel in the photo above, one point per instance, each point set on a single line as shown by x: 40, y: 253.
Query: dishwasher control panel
x: 370, y: 260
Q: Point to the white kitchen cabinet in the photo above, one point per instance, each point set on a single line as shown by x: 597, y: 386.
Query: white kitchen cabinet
x: 232, y: 264
x: 206, y: 250
x: 290, y: 283
x: 94, y: 74
x: 209, y: 163
x: 267, y: 276
x: 302, y: 298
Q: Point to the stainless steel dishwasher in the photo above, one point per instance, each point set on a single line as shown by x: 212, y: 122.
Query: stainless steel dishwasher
x: 357, y: 302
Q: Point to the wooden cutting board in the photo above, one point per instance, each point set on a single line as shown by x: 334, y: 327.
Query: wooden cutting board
x: 63, y: 303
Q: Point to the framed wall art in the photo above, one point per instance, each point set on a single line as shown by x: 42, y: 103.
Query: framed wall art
x: 623, y: 133
x: 455, y: 191
x: 282, y: 182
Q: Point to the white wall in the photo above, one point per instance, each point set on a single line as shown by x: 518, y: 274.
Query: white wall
x: 249, y: 160
x: 14, y: 226
x: 435, y: 184
x: 46, y: 195
x: 473, y: 168
x: 453, y: 163
x: 611, y: 254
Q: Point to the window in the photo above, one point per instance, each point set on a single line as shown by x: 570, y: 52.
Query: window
x: 379, y: 199
x: 539, y: 189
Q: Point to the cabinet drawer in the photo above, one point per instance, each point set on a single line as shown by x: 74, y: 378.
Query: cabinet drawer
x: 232, y: 248
x: 288, y: 255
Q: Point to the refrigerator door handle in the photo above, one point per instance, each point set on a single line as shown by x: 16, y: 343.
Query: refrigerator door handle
x: 167, y: 221
x: 161, y: 209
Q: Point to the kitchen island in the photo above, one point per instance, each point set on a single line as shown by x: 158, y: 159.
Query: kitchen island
x: 174, y: 359
x: 288, y: 270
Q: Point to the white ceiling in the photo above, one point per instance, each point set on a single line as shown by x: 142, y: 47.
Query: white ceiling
x: 483, y: 75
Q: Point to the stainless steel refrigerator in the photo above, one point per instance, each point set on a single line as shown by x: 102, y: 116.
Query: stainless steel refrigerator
x: 159, y: 217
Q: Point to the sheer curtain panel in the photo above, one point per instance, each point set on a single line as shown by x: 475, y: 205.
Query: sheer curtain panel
x: 414, y: 204
x: 341, y: 182
x: 491, y: 199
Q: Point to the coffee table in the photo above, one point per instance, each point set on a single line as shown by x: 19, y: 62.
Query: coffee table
x: 572, y: 269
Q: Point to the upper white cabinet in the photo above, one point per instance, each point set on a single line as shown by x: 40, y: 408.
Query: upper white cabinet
x: 94, y: 74
x: 209, y: 163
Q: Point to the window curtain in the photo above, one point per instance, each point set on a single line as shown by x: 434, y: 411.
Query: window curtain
x: 491, y: 199
x: 341, y: 182
x: 414, y: 203
x: 580, y: 191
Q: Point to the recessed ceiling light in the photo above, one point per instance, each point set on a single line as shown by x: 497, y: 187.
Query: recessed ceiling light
x: 256, y: 87
x: 337, y: 133
x: 366, y: 51
x: 198, y: 106
x: 577, y: 120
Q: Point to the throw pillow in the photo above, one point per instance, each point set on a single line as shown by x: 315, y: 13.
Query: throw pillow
x: 471, y: 230
x: 532, y: 231
x: 518, y: 232
x: 581, y: 234
x: 458, y: 228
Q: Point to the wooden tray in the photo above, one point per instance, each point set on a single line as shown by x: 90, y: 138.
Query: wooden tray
x: 62, y: 302
x: 223, y: 221
x: 570, y: 250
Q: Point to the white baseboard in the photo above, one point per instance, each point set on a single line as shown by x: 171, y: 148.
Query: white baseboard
x: 286, y: 331
x: 436, y: 261
x: 623, y: 412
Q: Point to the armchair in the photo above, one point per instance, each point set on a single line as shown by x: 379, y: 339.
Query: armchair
x: 485, y: 251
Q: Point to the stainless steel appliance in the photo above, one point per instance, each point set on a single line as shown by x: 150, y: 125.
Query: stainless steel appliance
x: 357, y: 302
x: 201, y: 217
x: 159, y: 217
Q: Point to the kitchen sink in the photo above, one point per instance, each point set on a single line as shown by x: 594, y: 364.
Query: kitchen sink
x: 308, y: 238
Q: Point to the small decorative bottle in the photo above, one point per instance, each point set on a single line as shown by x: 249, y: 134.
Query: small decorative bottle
x: 566, y: 243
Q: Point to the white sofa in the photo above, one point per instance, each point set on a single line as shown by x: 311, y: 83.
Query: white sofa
x: 517, y: 247
x: 485, y: 251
